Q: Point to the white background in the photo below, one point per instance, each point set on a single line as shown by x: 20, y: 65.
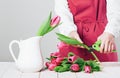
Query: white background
x: 21, y: 19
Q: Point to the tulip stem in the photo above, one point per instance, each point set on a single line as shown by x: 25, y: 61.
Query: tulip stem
x: 92, y: 53
x: 95, y: 57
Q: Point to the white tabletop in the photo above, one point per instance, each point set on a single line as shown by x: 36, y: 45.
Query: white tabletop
x: 9, y: 70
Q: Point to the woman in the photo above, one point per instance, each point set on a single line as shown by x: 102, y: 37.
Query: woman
x: 89, y: 21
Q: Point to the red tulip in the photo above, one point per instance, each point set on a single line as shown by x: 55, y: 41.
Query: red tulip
x: 71, y: 59
x: 47, y: 64
x: 87, y: 69
x: 56, y: 54
x: 53, y: 61
x: 59, y: 60
x: 75, y: 67
x: 55, y: 21
x: 52, y: 66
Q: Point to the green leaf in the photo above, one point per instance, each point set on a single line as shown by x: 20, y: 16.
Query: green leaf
x: 63, y: 69
x: 94, y: 65
x: 61, y: 35
x: 66, y: 65
x: 57, y: 68
x: 65, y: 61
x: 67, y: 39
x: 48, y: 58
x: 45, y: 26
x: 71, y: 41
x: 97, y: 68
x: 70, y: 54
x: 79, y: 61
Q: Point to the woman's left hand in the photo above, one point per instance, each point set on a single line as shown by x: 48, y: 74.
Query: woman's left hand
x: 107, y: 42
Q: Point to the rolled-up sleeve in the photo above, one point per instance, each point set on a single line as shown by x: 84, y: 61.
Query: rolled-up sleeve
x: 113, y: 15
x: 61, y: 9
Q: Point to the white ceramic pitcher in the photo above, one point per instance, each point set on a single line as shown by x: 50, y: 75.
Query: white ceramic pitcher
x: 30, y: 58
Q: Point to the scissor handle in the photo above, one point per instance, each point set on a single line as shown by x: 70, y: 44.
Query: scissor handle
x: 96, y: 46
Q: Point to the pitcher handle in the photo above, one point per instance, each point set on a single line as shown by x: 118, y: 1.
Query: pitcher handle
x: 10, y: 48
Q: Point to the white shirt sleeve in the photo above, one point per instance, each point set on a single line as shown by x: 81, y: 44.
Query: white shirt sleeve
x: 62, y: 10
x: 113, y: 15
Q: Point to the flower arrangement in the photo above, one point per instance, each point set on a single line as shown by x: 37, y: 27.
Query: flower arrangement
x: 71, y: 63
x: 48, y: 25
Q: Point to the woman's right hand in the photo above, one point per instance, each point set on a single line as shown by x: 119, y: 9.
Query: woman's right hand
x: 75, y: 35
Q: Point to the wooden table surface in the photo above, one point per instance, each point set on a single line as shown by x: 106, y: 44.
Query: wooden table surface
x: 9, y: 70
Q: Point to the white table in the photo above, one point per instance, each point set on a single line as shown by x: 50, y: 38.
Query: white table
x: 9, y: 70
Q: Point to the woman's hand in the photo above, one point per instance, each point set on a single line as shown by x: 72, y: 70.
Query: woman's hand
x: 75, y: 35
x: 108, y: 42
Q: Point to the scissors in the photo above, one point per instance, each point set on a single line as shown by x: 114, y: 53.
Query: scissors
x: 96, y: 47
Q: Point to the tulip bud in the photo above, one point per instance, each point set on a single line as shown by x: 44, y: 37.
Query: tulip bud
x: 53, y: 61
x: 56, y: 54
x: 87, y: 69
x: 75, y: 67
x: 71, y: 59
x: 47, y: 64
x: 59, y: 60
x: 55, y: 21
x: 52, y: 66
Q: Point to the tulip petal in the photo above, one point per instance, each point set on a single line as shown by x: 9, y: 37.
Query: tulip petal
x: 55, y: 21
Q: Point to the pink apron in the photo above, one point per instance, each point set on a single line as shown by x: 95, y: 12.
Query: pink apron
x: 90, y: 19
